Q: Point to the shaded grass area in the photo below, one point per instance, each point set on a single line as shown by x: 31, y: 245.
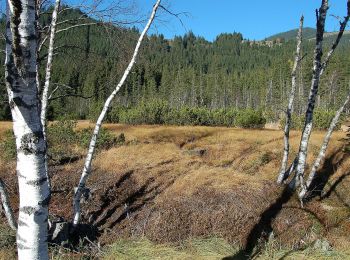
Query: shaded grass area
x: 192, y: 249
x: 174, y: 186
x: 212, y: 249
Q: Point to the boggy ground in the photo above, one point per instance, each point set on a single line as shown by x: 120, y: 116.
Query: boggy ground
x: 170, y: 184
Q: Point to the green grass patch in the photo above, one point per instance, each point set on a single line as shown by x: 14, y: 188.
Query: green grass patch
x: 212, y: 248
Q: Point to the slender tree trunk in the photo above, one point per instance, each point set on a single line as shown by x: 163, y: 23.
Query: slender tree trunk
x: 301, y: 91
x: 20, y: 75
x: 283, y: 173
x: 6, y: 206
x: 318, y: 69
x: 44, y: 99
x: 322, y: 153
x: 87, y: 166
x: 316, y: 73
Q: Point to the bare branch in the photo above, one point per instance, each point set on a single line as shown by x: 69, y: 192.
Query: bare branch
x: 177, y: 15
x: 77, y: 25
x: 337, y: 40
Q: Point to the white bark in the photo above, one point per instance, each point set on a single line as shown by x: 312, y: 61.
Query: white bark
x: 7, y: 206
x: 323, y: 149
x: 20, y: 75
x: 316, y: 73
x: 337, y: 40
x: 318, y: 69
x: 44, y: 99
x: 283, y: 172
x: 87, y: 166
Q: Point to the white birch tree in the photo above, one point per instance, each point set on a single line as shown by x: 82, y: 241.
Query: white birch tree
x: 20, y: 77
x: 45, y: 94
x: 316, y: 73
x: 87, y: 166
x: 283, y: 172
x: 318, y: 69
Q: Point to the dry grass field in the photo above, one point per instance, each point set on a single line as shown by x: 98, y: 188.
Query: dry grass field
x: 170, y: 184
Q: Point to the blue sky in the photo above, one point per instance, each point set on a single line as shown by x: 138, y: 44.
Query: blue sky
x: 255, y: 19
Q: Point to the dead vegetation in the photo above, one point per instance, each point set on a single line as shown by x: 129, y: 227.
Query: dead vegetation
x: 171, y: 184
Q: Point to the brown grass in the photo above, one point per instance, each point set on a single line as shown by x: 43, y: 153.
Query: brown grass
x: 172, y: 183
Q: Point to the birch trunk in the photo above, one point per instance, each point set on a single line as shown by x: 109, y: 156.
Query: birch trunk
x: 20, y: 75
x: 6, y: 206
x: 318, y: 69
x: 322, y: 153
x: 44, y: 99
x: 283, y: 173
x: 87, y: 166
x: 316, y: 73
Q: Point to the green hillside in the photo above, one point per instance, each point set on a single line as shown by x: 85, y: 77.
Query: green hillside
x: 308, y: 33
x: 183, y: 73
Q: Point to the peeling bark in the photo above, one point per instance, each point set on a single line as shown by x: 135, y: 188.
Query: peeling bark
x: 87, y: 166
x: 318, y: 69
x: 316, y: 73
x: 20, y: 76
x: 283, y: 175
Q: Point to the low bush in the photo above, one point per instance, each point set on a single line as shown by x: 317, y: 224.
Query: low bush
x: 61, y: 139
x: 105, y: 138
x: 250, y: 118
x: 321, y: 120
x: 64, y: 141
x: 159, y: 112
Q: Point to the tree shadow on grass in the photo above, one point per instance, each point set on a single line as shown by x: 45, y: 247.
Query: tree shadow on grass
x: 263, y: 228
x: 329, y: 168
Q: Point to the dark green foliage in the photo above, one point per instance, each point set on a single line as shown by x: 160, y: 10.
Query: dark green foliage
x: 61, y: 139
x: 159, y: 112
x: 308, y: 33
x: 105, y: 139
x: 185, y: 80
x: 321, y: 120
x: 62, y: 132
x: 64, y: 141
x: 250, y: 119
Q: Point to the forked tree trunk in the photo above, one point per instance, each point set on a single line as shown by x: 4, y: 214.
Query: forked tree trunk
x: 87, y: 166
x: 323, y: 149
x: 318, y: 69
x: 7, y: 206
x: 20, y: 75
x: 283, y: 172
x: 317, y: 66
